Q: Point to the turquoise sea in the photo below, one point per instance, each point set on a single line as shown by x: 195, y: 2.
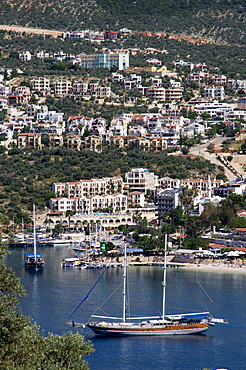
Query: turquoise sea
x: 54, y: 294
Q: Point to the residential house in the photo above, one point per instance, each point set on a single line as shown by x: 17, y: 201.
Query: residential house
x: 117, y: 77
x: 135, y: 199
x: 111, y: 35
x: 168, y: 199
x: 218, y: 79
x: 236, y: 187
x: 41, y: 84
x: 21, y: 95
x: 80, y: 87
x: 51, y: 117
x: 26, y: 56
x: 174, y: 93
x: 62, y: 87
x: 169, y: 183
x: 139, y: 143
x: 117, y: 141
x: 120, y: 60
x: 140, y: 179
x: 93, y: 143
x: 156, y: 93
x: 29, y: 140
x: 74, y: 142
x: 214, y: 92
x: 158, y: 144
x: 86, y: 188
x: 55, y: 140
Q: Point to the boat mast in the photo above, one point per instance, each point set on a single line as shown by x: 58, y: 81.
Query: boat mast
x: 34, y: 233
x: 164, y: 277
x: 124, y: 286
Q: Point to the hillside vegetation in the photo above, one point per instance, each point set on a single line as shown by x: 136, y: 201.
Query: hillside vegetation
x: 223, y: 20
x: 26, y: 177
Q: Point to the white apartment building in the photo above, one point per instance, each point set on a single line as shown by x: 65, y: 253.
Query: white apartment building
x: 113, y: 202
x: 174, y: 83
x: 140, y: 179
x: 135, y: 199
x: 214, y: 92
x: 118, y: 130
x: 5, y: 90
x: 154, y: 81
x: 117, y: 77
x: 80, y: 87
x: 156, y: 93
x: 136, y: 78
x: 169, y: 183
x: 167, y: 200
x: 193, y: 129
x: 86, y: 188
x: 237, y: 84
x: 235, y: 187
x: 218, y: 79
x: 62, y: 87
x: 199, y: 76
x: 40, y: 84
x: 4, y: 103
x: 171, y: 136
x: 103, y: 91
x: 78, y: 124
x: 203, y: 186
x: 33, y: 109
x: 214, y: 109
x: 50, y: 116
x: 174, y: 93
x: 129, y: 84
x: 25, y: 56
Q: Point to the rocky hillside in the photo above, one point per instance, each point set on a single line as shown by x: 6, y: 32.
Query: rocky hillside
x: 221, y: 20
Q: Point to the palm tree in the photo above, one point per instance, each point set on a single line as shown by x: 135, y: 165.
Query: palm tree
x: 69, y: 213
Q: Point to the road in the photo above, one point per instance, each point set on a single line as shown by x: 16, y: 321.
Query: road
x: 37, y: 31
x: 201, y: 150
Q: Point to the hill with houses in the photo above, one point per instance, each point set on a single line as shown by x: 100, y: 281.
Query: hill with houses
x: 223, y: 20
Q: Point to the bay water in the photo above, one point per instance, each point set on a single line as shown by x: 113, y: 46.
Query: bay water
x: 55, y: 292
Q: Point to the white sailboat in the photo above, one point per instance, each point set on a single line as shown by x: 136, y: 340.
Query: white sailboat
x: 163, y: 324
x: 34, y: 260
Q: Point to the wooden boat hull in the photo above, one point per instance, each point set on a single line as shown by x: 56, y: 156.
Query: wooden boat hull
x: 34, y: 262
x: 34, y: 265
x: 182, y: 329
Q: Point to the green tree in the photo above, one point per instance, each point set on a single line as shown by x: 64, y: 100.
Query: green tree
x: 187, y: 198
x: 69, y: 214
x: 58, y: 229
x: 210, y: 148
x: 195, y: 243
x: 22, y: 345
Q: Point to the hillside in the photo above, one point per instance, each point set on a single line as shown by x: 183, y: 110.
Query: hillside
x: 26, y: 177
x: 221, y: 20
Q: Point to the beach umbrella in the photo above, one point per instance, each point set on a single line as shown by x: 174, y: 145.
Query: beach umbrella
x: 233, y: 254
x: 240, y: 252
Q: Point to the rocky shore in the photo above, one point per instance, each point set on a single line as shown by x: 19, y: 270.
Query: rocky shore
x: 216, y: 265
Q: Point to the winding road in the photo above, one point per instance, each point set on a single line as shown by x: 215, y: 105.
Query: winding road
x: 201, y: 150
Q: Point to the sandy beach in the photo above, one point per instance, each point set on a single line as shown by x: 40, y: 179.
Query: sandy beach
x: 215, y: 267
x: 223, y: 265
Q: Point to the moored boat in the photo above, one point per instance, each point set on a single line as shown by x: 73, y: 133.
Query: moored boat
x: 34, y: 260
x: 189, y: 323
x: 71, y: 262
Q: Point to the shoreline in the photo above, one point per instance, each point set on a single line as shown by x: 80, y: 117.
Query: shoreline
x: 237, y: 266
x: 215, y: 267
